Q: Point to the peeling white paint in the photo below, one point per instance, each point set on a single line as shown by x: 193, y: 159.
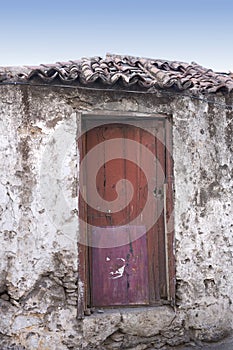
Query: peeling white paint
x: 119, y: 272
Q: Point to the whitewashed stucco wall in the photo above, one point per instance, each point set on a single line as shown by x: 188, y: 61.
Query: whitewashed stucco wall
x: 39, y: 222
x: 203, y: 230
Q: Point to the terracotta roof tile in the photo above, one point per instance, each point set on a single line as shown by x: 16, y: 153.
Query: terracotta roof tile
x: 124, y: 70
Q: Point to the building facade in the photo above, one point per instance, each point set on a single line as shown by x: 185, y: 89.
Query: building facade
x: 116, y: 205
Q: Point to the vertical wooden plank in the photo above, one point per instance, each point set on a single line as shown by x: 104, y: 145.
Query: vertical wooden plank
x: 160, y: 178
x: 108, y: 176
x: 141, y: 135
x: 94, y: 137
x: 115, y: 172
x: 134, y: 173
x: 169, y: 213
x: 148, y: 139
x: 82, y: 249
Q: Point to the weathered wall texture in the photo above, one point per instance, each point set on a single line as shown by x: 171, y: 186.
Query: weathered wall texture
x: 39, y: 227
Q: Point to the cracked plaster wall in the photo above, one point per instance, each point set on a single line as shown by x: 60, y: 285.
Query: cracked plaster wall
x: 39, y: 230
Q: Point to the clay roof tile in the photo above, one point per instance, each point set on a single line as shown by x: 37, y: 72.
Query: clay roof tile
x: 126, y: 70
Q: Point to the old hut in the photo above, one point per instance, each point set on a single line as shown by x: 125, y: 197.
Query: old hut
x: 116, y: 204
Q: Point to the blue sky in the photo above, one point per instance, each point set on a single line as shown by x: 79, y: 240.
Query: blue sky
x: 34, y: 32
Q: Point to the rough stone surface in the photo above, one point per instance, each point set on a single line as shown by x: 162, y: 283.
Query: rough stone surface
x: 99, y: 327
x: 39, y: 231
x: 146, y: 323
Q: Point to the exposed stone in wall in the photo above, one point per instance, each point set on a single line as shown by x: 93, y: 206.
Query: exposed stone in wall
x: 39, y: 232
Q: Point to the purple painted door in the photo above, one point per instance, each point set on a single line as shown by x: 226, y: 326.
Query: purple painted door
x: 129, y: 273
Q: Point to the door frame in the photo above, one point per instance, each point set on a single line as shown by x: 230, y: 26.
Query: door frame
x: 83, y: 250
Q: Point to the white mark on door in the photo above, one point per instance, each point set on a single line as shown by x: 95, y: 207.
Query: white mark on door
x: 118, y: 269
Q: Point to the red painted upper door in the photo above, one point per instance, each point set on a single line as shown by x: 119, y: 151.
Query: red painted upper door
x: 124, y: 191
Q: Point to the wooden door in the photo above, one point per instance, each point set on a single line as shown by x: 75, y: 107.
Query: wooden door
x: 131, y: 270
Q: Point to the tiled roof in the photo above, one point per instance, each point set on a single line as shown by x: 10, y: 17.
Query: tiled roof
x: 131, y: 72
